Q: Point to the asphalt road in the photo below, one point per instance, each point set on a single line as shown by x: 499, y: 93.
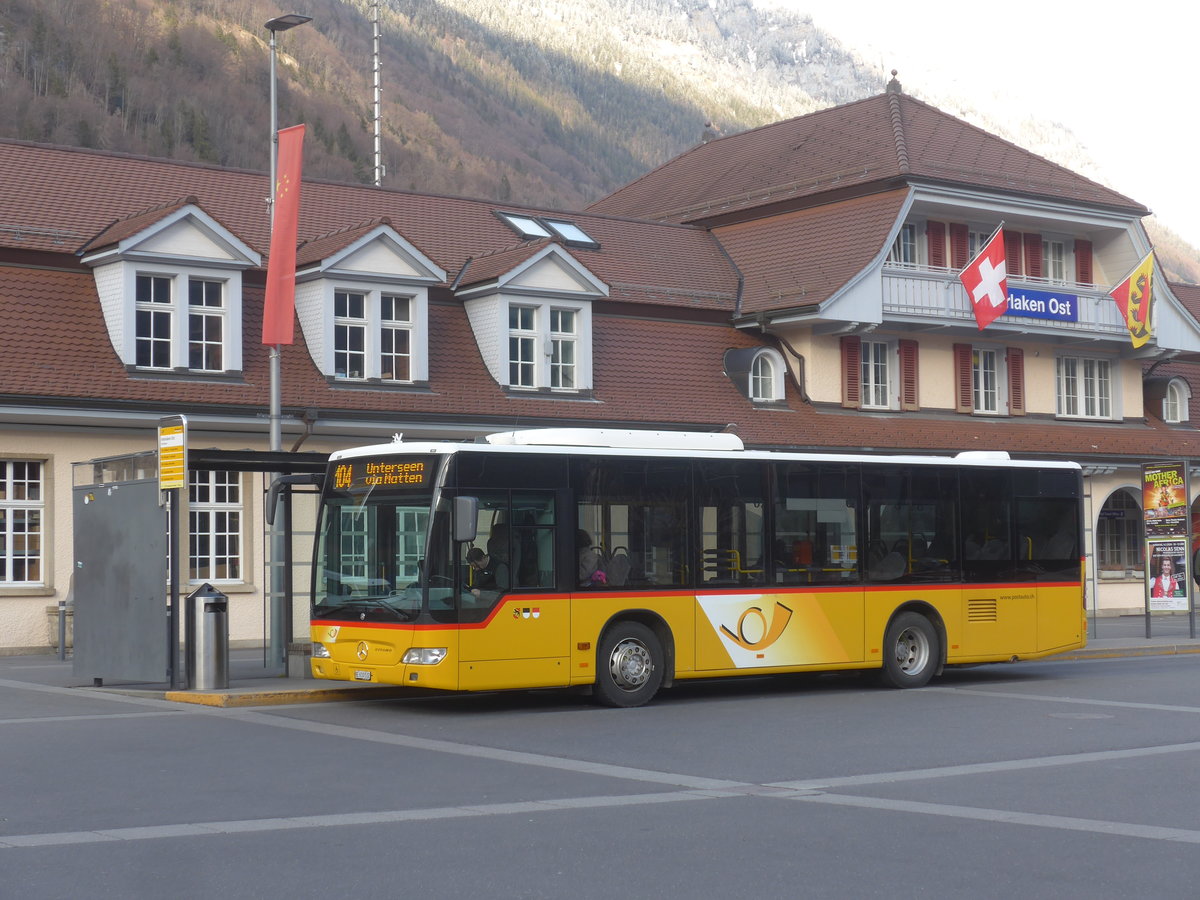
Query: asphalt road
x: 1065, y: 779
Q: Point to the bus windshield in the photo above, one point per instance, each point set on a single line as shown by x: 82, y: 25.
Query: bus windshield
x: 372, y: 558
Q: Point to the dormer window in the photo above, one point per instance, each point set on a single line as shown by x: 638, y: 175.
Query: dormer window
x: 757, y: 372
x: 552, y: 327
x: 766, y: 378
x: 180, y: 322
x: 531, y: 313
x: 170, y: 287
x: 1176, y: 402
x: 373, y: 335
x: 364, y: 306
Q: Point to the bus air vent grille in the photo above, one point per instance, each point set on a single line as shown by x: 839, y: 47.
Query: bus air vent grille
x: 981, y: 610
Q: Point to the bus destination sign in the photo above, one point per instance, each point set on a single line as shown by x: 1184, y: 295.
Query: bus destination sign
x: 389, y: 474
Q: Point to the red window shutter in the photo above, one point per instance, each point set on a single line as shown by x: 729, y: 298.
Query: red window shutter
x: 852, y: 372
x: 935, y: 238
x: 1083, y: 262
x: 1016, y: 381
x: 963, y: 400
x: 1033, y: 255
x: 1012, y: 253
x: 958, y: 246
x: 908, y: 376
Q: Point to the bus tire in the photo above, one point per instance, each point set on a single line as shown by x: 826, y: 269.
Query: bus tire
x: 629, y: 665
x: 911, y: 651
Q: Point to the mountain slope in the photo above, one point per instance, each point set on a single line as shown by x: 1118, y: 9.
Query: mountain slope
x: 548, y: 102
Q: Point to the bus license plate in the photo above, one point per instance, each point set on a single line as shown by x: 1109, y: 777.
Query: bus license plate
x: 362, y: 675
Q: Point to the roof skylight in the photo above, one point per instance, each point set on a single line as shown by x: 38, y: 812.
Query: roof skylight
x: 536, y: 227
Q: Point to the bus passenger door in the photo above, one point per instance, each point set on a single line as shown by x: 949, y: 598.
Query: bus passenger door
x: 516, y: 636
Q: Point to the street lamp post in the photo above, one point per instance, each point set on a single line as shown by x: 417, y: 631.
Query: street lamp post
x: 276, y: 25
x: 280, y: 581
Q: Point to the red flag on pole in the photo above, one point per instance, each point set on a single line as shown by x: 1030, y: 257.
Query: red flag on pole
x: 986, y: 281
x: 279, y: 309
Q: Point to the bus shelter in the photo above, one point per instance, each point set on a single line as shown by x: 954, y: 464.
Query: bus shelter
x: 125, y: 610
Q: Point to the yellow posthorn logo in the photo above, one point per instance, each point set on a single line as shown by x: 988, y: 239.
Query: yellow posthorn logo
x: 769, y: 633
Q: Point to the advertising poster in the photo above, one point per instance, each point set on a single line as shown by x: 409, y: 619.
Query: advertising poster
x: 1166, y: 575
x: 1164, y: 500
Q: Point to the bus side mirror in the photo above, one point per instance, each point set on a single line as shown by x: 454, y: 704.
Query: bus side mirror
x: 466, y: 517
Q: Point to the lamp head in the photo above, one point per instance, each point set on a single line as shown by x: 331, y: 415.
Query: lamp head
x: 286, y: 22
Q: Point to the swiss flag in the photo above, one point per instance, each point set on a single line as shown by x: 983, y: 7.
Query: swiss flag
x: 986, y: 281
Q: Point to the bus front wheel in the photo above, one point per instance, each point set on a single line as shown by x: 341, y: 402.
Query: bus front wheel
x: 910, y: 651
x: 629, y: 665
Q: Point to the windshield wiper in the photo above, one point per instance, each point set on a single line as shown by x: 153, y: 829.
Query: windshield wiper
x: 347, y: 604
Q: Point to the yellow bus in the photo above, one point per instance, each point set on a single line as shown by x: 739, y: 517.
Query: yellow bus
x: 621, y: 562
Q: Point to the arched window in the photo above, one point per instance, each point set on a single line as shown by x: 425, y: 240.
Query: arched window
x: 766, y: 377
x: 762, y: 378
x: 1175, y: 403
x: 1119, y: 535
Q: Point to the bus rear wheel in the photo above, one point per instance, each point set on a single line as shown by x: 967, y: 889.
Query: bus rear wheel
x: 629, y: 665
x: 911, y: 651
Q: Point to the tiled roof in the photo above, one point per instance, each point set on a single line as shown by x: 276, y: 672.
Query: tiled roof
x: 134, y: 224
x: 323, y: 246
x: 860, y: 146
x: 58, y: 199
x: 490, y: 266
x: 800, y: 258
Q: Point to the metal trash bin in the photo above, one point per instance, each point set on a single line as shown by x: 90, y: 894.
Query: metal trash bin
x: 208, y: 644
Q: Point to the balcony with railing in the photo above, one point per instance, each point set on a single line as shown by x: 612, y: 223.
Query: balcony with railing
x: 934, y: 295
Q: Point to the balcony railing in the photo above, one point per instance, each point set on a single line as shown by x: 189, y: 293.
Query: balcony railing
x: 936, y: 294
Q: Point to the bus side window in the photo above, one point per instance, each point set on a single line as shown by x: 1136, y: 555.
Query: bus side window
x: 816, y: 538
x: 635, y: 511
x: 533, y: 539
x: 989, y: 546
x: 730, y: 501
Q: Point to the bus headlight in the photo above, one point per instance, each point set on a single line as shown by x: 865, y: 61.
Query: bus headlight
x: 424, y: 656
x: 320, y: 651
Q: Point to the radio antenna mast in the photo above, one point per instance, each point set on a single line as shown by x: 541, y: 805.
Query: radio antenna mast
x: 378, y: 96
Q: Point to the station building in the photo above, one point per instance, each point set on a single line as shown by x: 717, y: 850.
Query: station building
x: 797, y: 283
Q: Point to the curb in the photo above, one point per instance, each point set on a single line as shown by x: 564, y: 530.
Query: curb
x: 1123, y: 652
x: 230, y: 699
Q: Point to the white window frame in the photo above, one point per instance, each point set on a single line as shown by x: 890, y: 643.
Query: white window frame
x: 766, y: 377
x: 23, y: 535
x: 564, y: 344
x: 539, y: 354
x: 374, y: 330
x: 905, y: 250
x: 1176, y: 406
x: 1054, y: 260
x: 1085, y: 387
x: 976, y: 241
x: 350, y: 322
x: 878, y: 374
x: 158, y: 306
x: 179, y: 311
x: 207, y: 315
x: 522, y: 345
x: 218, y: 518
x: 989, y: 399
x: 391, y: 330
